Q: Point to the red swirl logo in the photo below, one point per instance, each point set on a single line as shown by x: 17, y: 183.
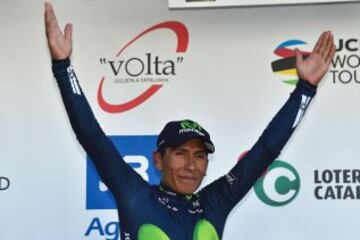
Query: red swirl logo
x: 182, y: 37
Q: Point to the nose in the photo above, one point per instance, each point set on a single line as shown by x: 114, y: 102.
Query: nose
x: 190, y: 163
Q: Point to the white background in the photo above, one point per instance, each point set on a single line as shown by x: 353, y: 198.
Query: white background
x: 225, y: 83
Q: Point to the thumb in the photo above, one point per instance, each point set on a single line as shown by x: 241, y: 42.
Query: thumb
x: 298, y: 55
x: 68, y: 31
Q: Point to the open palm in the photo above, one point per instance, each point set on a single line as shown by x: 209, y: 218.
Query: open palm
x: 60, y: 45
x: 316, y: 65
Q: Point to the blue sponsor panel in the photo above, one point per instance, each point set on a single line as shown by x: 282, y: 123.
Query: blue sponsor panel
x: 137, y: 152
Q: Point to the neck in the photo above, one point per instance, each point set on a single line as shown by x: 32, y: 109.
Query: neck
x: 169, y: 191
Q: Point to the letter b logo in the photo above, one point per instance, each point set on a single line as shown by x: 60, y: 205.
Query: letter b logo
x: 137, y: 152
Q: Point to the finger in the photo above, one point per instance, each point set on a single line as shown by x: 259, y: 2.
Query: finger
x: 331, y: 56
x: 47, y: 17
x: 68, y: 31
x: 319, y: 42
x: 326, y: 46
x: 329, y: 46
x: 51, y: 23
x: 298, y: 55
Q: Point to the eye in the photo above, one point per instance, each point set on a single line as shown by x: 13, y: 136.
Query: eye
x: 179, y: 153
x: 201, y: 156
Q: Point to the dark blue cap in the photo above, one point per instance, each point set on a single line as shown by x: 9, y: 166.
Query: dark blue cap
x: 176, y: 133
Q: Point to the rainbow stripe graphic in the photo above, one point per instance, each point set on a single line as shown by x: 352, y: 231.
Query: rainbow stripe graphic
x: 285, y: 66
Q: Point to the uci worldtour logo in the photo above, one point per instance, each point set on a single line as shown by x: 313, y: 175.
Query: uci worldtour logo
x: 285, y: 66
x: 346, y: 62
x: 145, y: 69
x: 344, y: 67
x: 279, y: 185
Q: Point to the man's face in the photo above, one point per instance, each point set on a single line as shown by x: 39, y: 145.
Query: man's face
x: 183, y: 167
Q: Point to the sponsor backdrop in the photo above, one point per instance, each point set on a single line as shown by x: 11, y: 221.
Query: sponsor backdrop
x: 142, y: 65
x: 228, y: 3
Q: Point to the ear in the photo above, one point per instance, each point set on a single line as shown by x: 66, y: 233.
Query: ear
x: 158, y: 160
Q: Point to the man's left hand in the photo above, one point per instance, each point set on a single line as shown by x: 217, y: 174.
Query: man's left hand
x: 316, y: 65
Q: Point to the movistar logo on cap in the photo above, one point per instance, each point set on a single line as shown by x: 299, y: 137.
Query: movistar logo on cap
x: 279, y: 186
x: 190, y: 126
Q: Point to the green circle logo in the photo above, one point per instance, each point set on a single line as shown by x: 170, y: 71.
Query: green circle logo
x: 150, y: 231
x: 204, y: 230
x: 279, y: 186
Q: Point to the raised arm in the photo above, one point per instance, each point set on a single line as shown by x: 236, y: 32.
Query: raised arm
x: 116, y: 174
x: 225, y: 192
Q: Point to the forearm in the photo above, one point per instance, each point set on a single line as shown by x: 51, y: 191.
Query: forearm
x: 81, y: 117
x: 274, y: 138
x: 109, y: 163
x: 233, y: 186
x: 287, y: 119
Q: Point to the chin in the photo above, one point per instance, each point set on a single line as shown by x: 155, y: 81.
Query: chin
x: 187, y: 192
x: 188, y: 189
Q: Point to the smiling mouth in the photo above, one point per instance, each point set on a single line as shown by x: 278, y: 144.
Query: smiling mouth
x: 188, y: 179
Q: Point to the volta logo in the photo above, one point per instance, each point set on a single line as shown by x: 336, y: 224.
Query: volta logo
x: 279, y: 185
x: 137, y: 152
x: 149, y: 68
x: 285, y: 66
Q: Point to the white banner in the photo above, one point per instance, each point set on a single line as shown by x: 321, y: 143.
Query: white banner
x: 228, y: 72
x: 232, y: 3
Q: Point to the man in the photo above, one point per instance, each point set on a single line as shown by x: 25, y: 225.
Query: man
x: 173, y: 210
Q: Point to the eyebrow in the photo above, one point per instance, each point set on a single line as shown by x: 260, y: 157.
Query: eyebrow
x: 187, y: 150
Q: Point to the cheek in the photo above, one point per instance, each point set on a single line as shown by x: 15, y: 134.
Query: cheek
x: 173, y: 165
x: 202, y: 166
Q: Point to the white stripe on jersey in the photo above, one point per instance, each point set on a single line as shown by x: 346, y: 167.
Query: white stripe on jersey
x: 305, y: 100
x: 73, y: 81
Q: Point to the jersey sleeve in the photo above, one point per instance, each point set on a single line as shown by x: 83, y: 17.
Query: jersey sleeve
x: 227, y: 191
x: 121, y: 179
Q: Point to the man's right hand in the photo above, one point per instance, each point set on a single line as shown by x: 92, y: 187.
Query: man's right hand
x: 60, y: 45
